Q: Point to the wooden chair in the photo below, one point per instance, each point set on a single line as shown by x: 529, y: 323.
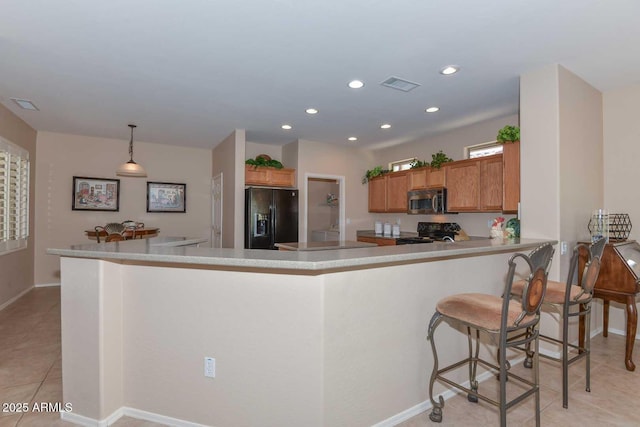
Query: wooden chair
x: 499, y: 318
x: 571, y: 300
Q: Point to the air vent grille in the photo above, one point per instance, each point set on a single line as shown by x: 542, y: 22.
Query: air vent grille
x: 399, y: 84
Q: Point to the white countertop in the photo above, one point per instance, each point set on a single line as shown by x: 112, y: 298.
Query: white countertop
x: 152, y: 250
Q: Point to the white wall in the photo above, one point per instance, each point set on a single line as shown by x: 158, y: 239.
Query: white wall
x: 621, y: 172
x: 328, y: 159
x: 580, y: 162
x: 62, y: 156
x: 228, y: 158
x: 16, y: 268
x: 539, y: 157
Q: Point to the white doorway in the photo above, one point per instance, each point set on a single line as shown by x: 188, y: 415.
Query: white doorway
x: 216, y: 211
x: 324, y: 201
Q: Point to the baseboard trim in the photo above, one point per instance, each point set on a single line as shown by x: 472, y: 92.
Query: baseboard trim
x: 426, y: 405
x: 47, y: 285
x: 14, y: 299
x: 157, y: 418
x: 128, y: 412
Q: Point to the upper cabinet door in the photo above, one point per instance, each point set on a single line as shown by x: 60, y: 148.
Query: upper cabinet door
x: 397, y: 192
x: 491, y: 184
x: 511, y: 177
x: 378, y: 194
x: 417, y: 179
x: 463, y: 186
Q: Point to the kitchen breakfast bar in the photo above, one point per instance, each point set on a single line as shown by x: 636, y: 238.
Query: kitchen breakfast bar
x: 313, y: 338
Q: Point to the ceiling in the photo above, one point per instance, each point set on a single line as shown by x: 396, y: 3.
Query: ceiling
x: 189, y: 72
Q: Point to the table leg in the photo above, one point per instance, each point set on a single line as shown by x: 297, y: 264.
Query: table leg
x: 632, y: 323
x: 605, y: 318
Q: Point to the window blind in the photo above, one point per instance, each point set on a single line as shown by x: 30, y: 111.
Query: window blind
x: 14, y: 196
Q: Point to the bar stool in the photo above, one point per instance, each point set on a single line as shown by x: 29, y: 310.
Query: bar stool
x: 569, y: 300
x: 499, y: 317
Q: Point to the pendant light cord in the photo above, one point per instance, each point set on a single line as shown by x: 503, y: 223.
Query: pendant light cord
x: 131, y: 143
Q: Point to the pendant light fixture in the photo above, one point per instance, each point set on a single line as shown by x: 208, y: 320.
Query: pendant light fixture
x: 131, y: 168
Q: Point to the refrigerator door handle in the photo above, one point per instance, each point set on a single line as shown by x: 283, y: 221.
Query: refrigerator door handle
x: 272, y: 228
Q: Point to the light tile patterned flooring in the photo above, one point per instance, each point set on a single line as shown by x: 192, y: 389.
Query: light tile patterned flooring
x: 30, y: 371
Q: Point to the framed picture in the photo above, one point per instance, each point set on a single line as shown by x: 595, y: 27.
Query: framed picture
x: 95, y: 194
x: 166, y: 197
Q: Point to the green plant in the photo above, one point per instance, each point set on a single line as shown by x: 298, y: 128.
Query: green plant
x: 418, y: 163
x: 508, y: 134
x: 377, y: 171
x: 438, y: 159
x: 261, y: 161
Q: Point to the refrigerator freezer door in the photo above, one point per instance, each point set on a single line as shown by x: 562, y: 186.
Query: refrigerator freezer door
x: 285, y: 216
x: 258, y: 223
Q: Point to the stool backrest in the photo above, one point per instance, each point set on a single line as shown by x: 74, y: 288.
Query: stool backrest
x: 592, y: 267
x: 538, y: 262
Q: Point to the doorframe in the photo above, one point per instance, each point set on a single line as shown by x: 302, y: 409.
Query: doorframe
x: 341, y: 203
x: 213, y: 207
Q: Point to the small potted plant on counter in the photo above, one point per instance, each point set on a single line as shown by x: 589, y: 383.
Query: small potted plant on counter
x: 508, y: 134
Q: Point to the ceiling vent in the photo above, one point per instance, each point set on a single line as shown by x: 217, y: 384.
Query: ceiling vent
x: 399, y: 84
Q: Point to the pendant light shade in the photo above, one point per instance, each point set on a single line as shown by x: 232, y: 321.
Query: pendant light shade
x: 131, y: 168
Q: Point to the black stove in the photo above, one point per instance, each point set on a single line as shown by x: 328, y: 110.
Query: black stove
x: 438, y: 230
x: 413, y: 240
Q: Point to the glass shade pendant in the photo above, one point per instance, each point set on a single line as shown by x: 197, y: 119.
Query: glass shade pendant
x: 131, y: 168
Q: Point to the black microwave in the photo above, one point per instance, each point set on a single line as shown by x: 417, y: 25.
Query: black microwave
x: 432, y: 201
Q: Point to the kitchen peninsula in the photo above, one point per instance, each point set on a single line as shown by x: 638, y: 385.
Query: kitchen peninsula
x: 314, y: 338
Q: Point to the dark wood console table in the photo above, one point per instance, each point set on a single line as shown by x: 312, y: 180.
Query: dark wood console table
x: 618, y: 281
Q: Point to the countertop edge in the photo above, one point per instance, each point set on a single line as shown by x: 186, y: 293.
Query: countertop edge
x: 313, y: 261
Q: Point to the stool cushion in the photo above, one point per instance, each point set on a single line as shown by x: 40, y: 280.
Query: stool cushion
x: 481, y: 311
x: 555, y: 292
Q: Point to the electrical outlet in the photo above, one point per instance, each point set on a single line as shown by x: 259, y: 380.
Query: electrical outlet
x: 209, y: 367
x: 563, y: 248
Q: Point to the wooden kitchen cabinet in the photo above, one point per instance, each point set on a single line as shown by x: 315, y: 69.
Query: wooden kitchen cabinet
x: 397, y: 192
x: 475, y: 185
x: 388, y: 193
x: 378, y: 241
x: 491, y: 184
x: 423, y: 178
x: 378, y: 194
x: 268, y: 176
x: 463, y: 186
x: 511, y: 177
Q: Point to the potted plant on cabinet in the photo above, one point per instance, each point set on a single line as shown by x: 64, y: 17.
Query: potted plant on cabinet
x: 508, y: 134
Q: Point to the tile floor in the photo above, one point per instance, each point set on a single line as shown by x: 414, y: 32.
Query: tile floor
x: 30, y: 371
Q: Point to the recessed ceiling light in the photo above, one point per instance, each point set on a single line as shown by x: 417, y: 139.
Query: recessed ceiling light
x: 25, y: 104
x: 286, y: 127
x: 356, y: 84
x: 450, y: 69
x: 432, y: 109
x: 385, y: 126
x: 311, y: 111
x: 352, y: 138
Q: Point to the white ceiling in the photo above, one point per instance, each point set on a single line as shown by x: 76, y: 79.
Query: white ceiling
x: 188, y: 72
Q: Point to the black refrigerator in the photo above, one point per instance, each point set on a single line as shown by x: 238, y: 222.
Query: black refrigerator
x: 270, y: 217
